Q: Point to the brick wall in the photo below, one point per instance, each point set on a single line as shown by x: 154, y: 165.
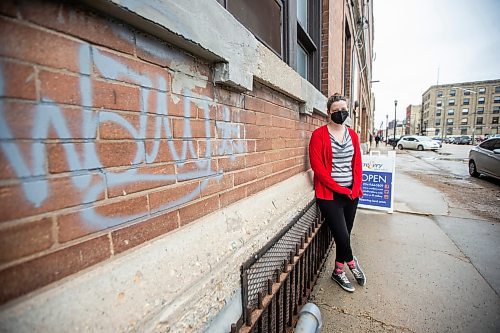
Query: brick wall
x: 110, y: 138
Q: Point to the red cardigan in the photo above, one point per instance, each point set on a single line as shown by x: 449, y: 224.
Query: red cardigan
x: 320, y: 157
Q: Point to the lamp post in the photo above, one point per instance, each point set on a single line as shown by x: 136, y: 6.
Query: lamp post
x: 474, y: 113
x: 395, y: 122
x: 386, y: 127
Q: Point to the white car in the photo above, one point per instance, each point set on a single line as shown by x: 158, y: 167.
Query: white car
x: 417, y: 142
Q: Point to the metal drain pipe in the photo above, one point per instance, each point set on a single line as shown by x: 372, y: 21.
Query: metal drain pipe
x: 309, y: 319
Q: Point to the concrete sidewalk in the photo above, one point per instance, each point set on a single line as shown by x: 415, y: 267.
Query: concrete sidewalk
x: 418, y: 280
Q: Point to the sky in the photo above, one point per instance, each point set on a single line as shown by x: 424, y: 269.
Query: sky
x: 415, y: 38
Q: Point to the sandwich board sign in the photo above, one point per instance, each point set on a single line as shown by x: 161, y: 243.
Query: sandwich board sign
x: 378, y: 181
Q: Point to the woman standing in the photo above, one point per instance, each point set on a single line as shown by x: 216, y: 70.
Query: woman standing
x: 335, y: 157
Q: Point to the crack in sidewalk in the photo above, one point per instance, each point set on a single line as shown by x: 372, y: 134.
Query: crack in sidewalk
x: 367, y: 316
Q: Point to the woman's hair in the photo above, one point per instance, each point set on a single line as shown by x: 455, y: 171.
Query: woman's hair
x: 334, y: 98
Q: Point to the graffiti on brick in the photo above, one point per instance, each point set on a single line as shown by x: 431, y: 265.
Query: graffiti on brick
x: 83, y: 164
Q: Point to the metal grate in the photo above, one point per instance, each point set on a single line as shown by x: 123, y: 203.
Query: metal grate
x: 277, y: 281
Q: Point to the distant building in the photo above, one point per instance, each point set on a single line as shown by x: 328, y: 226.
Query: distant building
x: 461, y: 109
x: 413, y: 116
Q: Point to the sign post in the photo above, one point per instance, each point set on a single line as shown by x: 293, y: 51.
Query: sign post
x: 378, y: 181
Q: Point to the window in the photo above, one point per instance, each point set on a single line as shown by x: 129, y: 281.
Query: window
x: 494, y: 120
x: 496, y: 109
x: 480, y: 110
x: 451, y: 112
x: 438, y: 113
x: 453, y: 92
x: 449, y: 130
x: 466, y: 101
x: 496, y: 99
x: 465, y: 111
x: 463, y: 130
x: 449, y: 121
x: 292, y: 32
x: 480, y: 100
x: 438, y: 122
x: 464, y: 121
x: 482, y: 90
x: 479, y: 120
x: 467, y: 92
x: 440, y: 94
x: 451, y: 102
x: 439, y: 103
x: 436, y: 131
x: 497, y: 89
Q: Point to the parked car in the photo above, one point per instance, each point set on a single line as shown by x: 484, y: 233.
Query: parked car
x: 417, y: 142
x: 392, y: 142
x: 464, y: 140
x: 485, y: 158
x: 439, y: 141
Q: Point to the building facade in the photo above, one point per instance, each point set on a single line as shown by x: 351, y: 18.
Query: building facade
x: 412, y: 121
x: 148, y: 149
x: 466, y: 108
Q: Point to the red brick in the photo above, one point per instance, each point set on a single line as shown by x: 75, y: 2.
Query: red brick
x: 203, y: 89
x: 227, y: 97
x: 8, y: 171
x: 140, y: 182
x: 174, y: 195
x: 60, y: 88
x: 216, y: 148
x: 61, y: 193
x: 253, y: 103
x: 251, y: 174
x: 255, y: 159
x: 40, y: 47
x: 231, y: 163
x: 233, y: 195
x: 74, y: 225
x: 227, y: 130
x: 109, y: 129
x: 109, y: 154
x: 28, y: 276
x: 263, y: 145
x: 243, y: 116
x: 255, y: 187
x: 216, y: 184
x: 263, y: 119
x: 254, y: 132
x: 195, y: 128
x: 19, y: 80
x: 175, y: 106
x: 204, y: 111
x: 23, y: 239
x: 196, y: 169
x: 198, y: 209
x: 137, y: 72
x: 20, y: 117
x: 115, y: 96
x: 138, y: 233
x: 166, y: 154
x: 71, y: 20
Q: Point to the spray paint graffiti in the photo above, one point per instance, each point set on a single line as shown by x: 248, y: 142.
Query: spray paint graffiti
x: 82, y: 165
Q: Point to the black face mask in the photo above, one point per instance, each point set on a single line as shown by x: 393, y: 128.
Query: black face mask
x: 340, y: 116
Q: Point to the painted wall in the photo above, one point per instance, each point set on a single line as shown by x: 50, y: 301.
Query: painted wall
x: 110, y: 138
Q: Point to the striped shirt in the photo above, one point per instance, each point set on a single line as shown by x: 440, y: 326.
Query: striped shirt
x: 342, y: 155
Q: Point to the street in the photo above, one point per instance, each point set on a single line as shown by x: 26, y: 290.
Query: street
x: 432, y: 265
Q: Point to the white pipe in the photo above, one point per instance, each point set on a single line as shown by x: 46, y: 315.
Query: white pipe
x: 309, y: 319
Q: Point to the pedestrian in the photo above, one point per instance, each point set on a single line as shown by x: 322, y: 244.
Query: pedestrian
x: 377, y: 140
x: 335, y: 157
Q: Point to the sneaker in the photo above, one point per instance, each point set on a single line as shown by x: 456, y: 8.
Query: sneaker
x: 358, y: 273
x: 343, y: 281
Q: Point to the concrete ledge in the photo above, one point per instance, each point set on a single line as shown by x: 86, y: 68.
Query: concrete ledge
x: 206, y: 29
x: 187, y: 280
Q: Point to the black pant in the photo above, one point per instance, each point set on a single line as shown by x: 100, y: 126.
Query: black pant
x: 339, y: 214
